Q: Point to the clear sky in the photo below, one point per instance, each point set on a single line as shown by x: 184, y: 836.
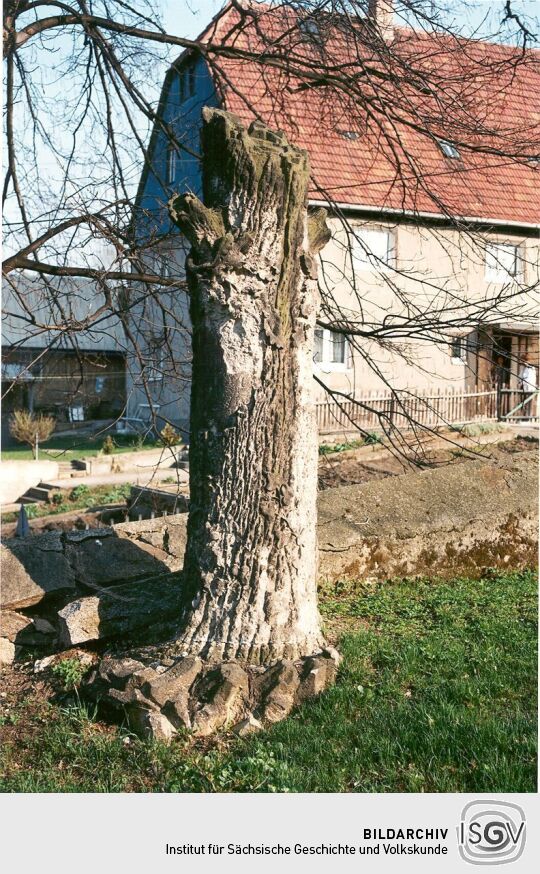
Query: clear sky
x: 189, y: 17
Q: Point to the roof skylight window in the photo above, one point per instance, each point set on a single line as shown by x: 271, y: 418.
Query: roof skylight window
x: 449, y: 149
x: 309, y: 26
x: 347, y: 134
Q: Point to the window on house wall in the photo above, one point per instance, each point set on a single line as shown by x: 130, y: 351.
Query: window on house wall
x: 330, y: 348
x: 154, y: 360
x: 154, y: 367
x: 319, y: 343
x: 458, y: 349
x: 373, y: 248
x: 186, y: 83
x: 171, y: 163
x: 337, y: 352
x: 164, y: 269
x: 502, y: 261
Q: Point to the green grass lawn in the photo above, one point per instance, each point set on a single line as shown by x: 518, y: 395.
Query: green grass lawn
x: 70, y: 448
x: 437, y: 693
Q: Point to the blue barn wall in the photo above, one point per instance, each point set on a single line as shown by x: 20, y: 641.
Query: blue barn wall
x: 170, y: 394
x: 185, y: 119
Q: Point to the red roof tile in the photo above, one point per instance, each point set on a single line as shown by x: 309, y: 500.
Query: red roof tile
x: 483, y: 96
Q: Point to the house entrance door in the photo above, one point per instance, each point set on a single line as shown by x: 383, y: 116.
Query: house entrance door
x: 511, y: 353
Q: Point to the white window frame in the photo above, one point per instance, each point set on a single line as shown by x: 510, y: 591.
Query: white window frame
x: 154, y: 363
x: 363, y: 261
x: 146, y: 413
x: 326, y: 364
x: 172, y: 154
x: 494, y: 269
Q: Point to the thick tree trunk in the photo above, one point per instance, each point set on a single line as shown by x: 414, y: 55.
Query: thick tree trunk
x: 251, y: 556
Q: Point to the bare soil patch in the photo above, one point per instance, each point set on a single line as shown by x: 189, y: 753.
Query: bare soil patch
x: 368, y: 464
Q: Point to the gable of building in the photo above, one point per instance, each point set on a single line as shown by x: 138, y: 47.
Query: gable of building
x: 410, y: 148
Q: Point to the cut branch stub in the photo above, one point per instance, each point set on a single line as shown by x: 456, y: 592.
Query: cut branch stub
x: 250, y: 565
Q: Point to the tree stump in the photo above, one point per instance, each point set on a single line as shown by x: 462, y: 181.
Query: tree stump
x: 251, y: 557
x: 249, y: 646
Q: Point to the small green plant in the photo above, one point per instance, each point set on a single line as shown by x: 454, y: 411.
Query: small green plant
x: 169, y: 435
x: 371, y: 437
x: 116, y: 495
x: 57, y: 498
x: 32, y: 510
x: 474, y: 429
x: 79, y: 492
x: 108, y: 446
x: 70, y: 672
x: 330, y: 448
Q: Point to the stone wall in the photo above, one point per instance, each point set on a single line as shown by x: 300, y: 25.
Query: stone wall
x: 449, y: 521
x: 453, y: 520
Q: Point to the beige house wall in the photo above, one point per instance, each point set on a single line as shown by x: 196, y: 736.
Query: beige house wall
x: 438, y: 276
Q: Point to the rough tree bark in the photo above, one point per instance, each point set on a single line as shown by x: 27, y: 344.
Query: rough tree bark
x: 251, y: 556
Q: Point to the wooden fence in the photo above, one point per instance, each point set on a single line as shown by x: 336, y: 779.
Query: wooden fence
x: 517, y: 406
x: 433, y: 408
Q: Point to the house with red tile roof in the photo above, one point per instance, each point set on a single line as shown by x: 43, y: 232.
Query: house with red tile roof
x: 424, y: 147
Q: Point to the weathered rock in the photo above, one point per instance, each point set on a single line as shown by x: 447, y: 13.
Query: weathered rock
x: 12, y: 624
x: 330, y: 652
x: 118, y: 610
x: 279, y: 685
x: 7, y: 651
x: 228, y: 689
x: 118, y: 681
x: 175, y: 683
x: 177, y: 711
x: 319, y: 672
x: 451, y: 520
x: 116, y: 672
x: 167, y: 535
x: 25, y: 631
x: 85, y: 659
x: 247, y: 726
x: 206, y: 697
x: 32, y: 569
x: 131, y: 695
x: 44, y: 626
x: 176, y: 539
x: 104, y: 560
x: 150, y: 724
x: 42, y: 664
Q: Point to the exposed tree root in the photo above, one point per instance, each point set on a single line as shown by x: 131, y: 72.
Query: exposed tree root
x: 163, y: 696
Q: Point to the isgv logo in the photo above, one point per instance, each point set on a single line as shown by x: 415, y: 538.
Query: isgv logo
x: 491, y: 832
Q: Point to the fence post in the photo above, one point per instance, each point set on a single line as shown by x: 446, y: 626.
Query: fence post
x: 391, y: 410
